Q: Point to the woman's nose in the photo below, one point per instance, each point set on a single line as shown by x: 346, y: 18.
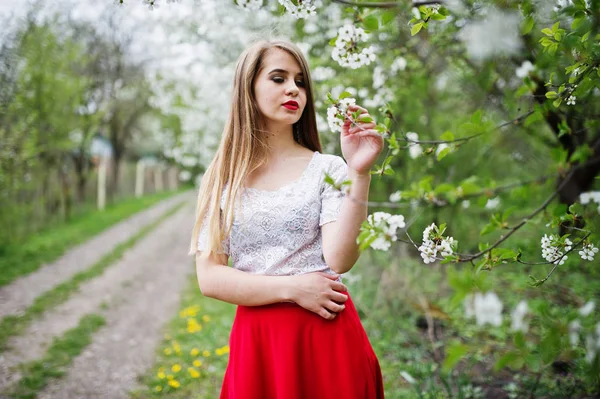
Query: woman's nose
x: 292, y: 89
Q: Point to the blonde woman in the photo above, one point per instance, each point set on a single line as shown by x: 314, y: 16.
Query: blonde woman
x: 264, y: 205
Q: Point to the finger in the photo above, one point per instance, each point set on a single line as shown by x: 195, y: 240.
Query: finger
x: 354, y: 107
x: 324, y: 313
x: 339, y: 287
x: 334, y: 307
x: 363, y: 126
x: 369, y: 133
x: 337, y: 297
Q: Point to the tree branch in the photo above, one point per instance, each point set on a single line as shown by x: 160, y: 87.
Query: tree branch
x: 386, y: 4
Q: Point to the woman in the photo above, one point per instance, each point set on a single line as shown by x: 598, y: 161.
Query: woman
x: 263, y: 203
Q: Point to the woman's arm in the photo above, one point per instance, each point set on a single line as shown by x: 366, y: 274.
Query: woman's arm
x: 317, y: 292
x: 361, y: 145
x: 340, y: 249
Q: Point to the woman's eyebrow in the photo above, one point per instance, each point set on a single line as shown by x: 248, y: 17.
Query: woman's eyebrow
x: 283, y: 71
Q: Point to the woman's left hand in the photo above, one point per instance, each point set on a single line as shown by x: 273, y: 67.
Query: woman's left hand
x: 360, y: 142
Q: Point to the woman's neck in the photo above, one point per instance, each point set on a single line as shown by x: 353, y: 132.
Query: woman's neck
x: 281, y: 141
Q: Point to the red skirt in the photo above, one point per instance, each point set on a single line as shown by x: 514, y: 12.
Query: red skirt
x: 283, y: 351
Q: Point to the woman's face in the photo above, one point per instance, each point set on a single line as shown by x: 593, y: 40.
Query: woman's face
x: 279, y: 89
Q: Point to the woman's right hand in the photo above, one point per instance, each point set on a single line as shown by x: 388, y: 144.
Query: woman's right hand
x: 320, y: 293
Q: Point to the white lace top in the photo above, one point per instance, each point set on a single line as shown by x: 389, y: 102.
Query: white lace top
x: 279, y: 232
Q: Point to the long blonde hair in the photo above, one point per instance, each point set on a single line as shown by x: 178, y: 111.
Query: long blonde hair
x: 242, y: 148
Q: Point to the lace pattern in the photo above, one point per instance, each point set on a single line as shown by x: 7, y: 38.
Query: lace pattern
x: 279, y: 232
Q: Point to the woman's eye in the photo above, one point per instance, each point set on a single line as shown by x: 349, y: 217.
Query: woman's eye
x: 300, y: 83
x: 278, y: 79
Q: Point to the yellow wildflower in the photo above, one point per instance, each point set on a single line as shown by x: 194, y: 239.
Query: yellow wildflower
x: 174, y: 383
x: 205, y: 353
x: 194, y: 352
x: 223, y: 350
x: 197, y: 363
x: 193, y: 372
x: 170, y: 377
x: 161, y: 375
x: 167, y: 351
x: 161, y: 369
x: 190, y: 311
x: 176, y: 368
x: 206, y: 318
x: 193, y: 326
x: 158, y: 388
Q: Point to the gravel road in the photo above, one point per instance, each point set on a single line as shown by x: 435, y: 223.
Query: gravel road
x: 137, y: 295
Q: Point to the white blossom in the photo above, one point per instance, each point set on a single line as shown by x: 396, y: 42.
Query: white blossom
x: 336, y: 114
x: 399, y: 64
x: 486, y: 308
x: 553, y: 250
x: 466, y: 204
x: 250, y: 5
x: 414, y: 149
x: 492, y: 203
x: 524, y: 69
x: 588, y: 251
x: 384, y: 226
x: 574, y: 328
x: 303, y: 9
x: 409, y: 378
x: 322, y: 73
x: 587, y: 309
x: 378, y: 77
x: 593, y: 196
x: 396, y: 197
x: 497, y: 34
x: 571, y: 100
x: 518, y: 317
x: 433, y: 246
x: 591, y: 347
x: 348, y: 52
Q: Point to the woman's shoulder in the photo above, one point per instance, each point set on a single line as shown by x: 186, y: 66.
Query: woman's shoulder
x: 332, y: 162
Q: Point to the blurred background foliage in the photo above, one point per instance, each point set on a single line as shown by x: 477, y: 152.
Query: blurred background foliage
x: 502, y: 94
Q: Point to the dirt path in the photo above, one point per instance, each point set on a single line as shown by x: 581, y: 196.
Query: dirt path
x: 136, y: 295
x: 21, y: 293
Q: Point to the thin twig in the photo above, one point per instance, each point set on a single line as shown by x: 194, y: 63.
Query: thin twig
x: 387, y: 4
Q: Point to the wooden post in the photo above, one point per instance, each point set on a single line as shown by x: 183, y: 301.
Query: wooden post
x: 158, y: 178
x: 139, y: 178
x: 102, y: 183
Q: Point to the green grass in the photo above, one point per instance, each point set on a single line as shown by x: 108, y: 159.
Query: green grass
x: 22, y: 258
x: 53, y: 365
x: 185, y: 343
x: 15, y: 324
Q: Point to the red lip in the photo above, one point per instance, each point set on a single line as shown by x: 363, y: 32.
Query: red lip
x: 293, y: 105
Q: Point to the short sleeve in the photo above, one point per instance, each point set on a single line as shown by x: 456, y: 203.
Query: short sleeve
x: 203, y: 238
x: 331, y: 198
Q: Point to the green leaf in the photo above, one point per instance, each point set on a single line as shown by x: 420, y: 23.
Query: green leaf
x: 454, y: 353
x: 332, y: 41
x: 527, y: 25
x: 488, y: 228
x: 416, y: 28
x: 443, y: 153
x: 560, y: 210
x: 344, y: 95
x: 555, y: 27
x: 584, y: 39
x: 365, y: 119
x: 547, y: 32
x: 510, y: 359
x: 551, y: 94
x: 577, y: 22
x: 476, y: 117
x: 447, y: 136
x: 387, y: 17
x: 533, y: 118
x: 438, y: 17
x: 371, y: 22
x: 557, y: 102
